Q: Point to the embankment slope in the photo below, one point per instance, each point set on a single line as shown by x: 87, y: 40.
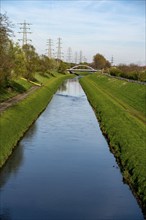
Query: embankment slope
x: 16, y: 120
x: 120, y: 108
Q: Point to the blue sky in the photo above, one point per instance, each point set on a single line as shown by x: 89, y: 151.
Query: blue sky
x: 110, y: 27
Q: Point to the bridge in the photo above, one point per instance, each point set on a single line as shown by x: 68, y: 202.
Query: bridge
x: 81, y: 68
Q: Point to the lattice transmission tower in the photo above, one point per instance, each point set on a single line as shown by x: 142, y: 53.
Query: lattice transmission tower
x: 24, y: 27
x: 59, y: 53
x: 69, y: 55
x: 81, y: 56
x: 112, y: 61
x: 49, y: 44
x: 76, y: 57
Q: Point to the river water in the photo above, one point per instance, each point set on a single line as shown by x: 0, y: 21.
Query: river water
x: 63, y: 170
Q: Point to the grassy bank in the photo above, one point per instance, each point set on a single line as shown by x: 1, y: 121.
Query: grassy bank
x: 14, y: 88
x: 17, y: 119
x: 120, y: 108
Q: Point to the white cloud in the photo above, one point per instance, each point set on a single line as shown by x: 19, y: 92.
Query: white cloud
x: 104, y: 26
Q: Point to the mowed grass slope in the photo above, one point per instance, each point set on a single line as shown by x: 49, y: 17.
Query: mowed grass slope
x: 131, y: 94
x: 120, y: 108
x: 16, y: 86
x: 17, y: 119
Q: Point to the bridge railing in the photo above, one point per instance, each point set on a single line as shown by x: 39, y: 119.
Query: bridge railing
x: 82, y: 70
x: 86, y: 68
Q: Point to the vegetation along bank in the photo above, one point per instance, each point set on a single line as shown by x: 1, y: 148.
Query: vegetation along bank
x: 121, y: 109
x: 16, y: 120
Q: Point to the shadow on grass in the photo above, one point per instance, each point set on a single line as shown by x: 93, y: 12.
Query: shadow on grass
x: 17, y: 87
x: 11, y: 89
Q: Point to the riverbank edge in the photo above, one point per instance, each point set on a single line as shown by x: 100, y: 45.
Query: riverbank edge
x: 17, y: 119
x: 114, y: 146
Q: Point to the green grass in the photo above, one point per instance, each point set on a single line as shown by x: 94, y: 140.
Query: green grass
x: 17, y: 119
x: 131, y: 94
x: 15, y: 87
x: 43, y: 79
x: 21, y: 85
x: 114, y: 107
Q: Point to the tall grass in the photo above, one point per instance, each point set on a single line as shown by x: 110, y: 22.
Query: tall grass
x: 17, y: 119
x: 125, y: 132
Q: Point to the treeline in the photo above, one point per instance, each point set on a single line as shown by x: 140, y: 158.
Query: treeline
x: 131, y: 71
x: 16, y: 61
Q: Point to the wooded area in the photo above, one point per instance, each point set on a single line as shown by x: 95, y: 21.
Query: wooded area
x: 16, y: 61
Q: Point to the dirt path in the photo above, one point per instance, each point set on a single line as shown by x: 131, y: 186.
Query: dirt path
x: 6, y: 104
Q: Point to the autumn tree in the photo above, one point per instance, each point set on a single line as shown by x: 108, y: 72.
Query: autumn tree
x: 100, y: 62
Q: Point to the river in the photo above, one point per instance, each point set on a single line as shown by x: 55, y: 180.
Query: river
x: 63, y: 169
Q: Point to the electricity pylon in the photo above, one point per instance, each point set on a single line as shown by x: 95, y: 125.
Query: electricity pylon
x: 49, y: 43
x: 69, y: 55
x: 81, y: 56
x: 76, y: 57
x: 112, y: 61
x: 24, y: 27
x: 59, y: 53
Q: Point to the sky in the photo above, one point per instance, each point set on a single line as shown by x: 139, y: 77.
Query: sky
x: 113, y: 28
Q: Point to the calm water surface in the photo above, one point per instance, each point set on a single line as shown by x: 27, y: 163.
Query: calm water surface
x: 63, y: 169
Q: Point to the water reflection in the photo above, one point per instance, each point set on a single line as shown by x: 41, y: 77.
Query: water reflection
x: 6, y: 215
x: 16, y: 159
x: 12, y: 166
x: 63, y: 86
x: 72, y: 89
x: 32, y: 131
x: 63, y: 170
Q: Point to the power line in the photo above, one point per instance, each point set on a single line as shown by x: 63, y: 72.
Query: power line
x: 84, y: 59
x: 24, y: 27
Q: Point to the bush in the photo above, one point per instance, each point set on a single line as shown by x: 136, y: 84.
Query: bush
x: 115, y: 71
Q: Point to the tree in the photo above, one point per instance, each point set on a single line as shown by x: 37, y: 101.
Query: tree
x: 6, y: 60
x: 100, y: 62
x: 19, y: 62
x: 46, y: 64
x: 31, y: 60
x: 62, y: 67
